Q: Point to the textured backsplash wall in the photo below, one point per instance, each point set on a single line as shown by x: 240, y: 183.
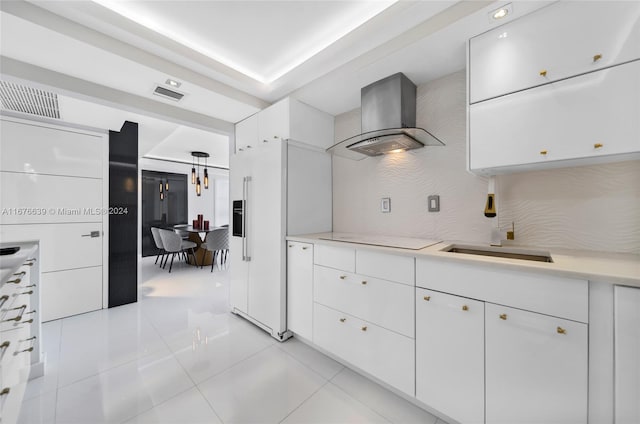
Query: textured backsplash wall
x: 590, y: 207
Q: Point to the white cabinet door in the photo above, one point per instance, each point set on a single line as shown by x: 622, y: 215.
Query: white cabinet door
x: 66, y: 293
x: 627, y: 355
x: 247, y: 133
x: 266, y: 204
x: 239, y: 169
x: 274, y: 122
x: 450, y: 355
x: 558, y: 41
x: 536, y: 368
x: 300, y: 288
x: 591, y: 116
x: 384, y: 354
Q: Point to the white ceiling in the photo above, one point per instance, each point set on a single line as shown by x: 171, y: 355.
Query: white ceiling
x: 222, y: 51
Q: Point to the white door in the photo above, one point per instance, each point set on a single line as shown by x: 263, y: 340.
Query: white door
x: 450, y: 355
x: 536, y: 368
x: 300, y: 288
x: 627, y: 355
x: 265, y: 244
x: 239, y: 169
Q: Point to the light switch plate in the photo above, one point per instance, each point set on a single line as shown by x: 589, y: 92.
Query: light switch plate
x: 434, y: 203
x: 385, y: 205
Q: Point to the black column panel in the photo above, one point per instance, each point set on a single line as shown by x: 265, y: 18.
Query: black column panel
x: 123, y: 218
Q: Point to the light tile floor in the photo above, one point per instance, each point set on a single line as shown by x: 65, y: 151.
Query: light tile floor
x: 179, y: 356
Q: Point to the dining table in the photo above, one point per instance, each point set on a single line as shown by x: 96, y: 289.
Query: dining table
x: 202, y: 256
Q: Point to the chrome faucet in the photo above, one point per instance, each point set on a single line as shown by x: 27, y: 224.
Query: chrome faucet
x: 497, y: 235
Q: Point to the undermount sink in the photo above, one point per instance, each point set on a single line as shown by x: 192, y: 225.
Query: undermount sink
x: 500, y: 252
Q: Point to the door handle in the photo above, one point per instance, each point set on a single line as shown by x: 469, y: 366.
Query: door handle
x: 92, y: 234
x: 244, y: 215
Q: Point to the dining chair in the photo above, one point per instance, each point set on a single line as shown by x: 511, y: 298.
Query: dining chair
x: 155, y: 232
x: 217, y: 241
x: 173, y: 244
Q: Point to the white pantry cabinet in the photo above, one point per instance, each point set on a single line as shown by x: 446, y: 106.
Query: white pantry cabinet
x: 300, y: 288
x: 536, y: 368
x: 450, y: 355
x: 556, y: 42
x: 592, y: 117
x: 288, y: 119
x: 627, y: 354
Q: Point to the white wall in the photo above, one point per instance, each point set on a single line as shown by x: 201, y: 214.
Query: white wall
x: 213, y: 203
x: 591, y: 207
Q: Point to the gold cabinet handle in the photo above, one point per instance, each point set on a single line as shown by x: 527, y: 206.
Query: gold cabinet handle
x: 291, y: 245
x: 27, y: 292
x: 5, y: 391
x: 465, y: 308
x: 561, y: 330
x: 543, y: 73
x: 364, y: 283
x: 20, y: 274
x: 503, y: 317
x: 304, y: 247
x: 597, y: 57
x: 597, y: 145
x: 275, y: 136
x: 3, y: 300
x: 343, y: 319
x: 543, y: 152
x: 18, y: 352
x: 342, y: 277
x: 427, y: 298
x: 364, y: 328
x: 14, y: 281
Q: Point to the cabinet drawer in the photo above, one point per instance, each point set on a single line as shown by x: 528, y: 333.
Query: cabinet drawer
x: 343, y: 258
x: 536, y: 367
x: 590, y: 116
x: 382, y: 353
x: 387, y: 304
x: 561, y: 39
x: 389, y: 267
x: 547, y: 294
x: 66, y: 293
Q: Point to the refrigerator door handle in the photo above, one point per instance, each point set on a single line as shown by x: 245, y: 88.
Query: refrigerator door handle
x: 244, y: 224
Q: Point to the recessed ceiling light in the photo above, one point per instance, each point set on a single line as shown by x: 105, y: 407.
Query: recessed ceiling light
x: 501, y: 12
x: 173, y: 83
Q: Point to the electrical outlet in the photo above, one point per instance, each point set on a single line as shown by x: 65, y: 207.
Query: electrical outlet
x: 385, y: 205
x: 434, y: 203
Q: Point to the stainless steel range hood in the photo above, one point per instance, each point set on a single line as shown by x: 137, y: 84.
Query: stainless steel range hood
x: 388, y: 121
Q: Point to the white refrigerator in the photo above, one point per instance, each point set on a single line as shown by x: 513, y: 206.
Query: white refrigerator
x: 276, y: 188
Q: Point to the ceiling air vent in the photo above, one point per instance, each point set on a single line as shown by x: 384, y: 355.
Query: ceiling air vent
x: 168, y: 94
x: 21, y: 98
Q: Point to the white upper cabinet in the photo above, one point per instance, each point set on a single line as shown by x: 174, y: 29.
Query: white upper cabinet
x: 288, y: 119
x: 553, y: 43
x: 558, y: 87
x: 591, y: 117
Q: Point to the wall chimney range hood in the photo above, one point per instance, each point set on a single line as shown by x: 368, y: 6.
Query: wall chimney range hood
x: 388, y: 121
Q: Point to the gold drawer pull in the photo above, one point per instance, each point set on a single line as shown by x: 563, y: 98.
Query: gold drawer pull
x: 364, y: 283
x: 342, y: 277
x: 543, y: 152
x: 27, y: 292
x: 5, y: 391
x: 29, y: 263
x: 364, y: 328
x: 503, y: 316
x: 427, y: 298
x: 28, y: 340
x: 343, y: 319
x: 597, y: 57
x: 16, y: 281
x: 543, y: 73
x: 465, y: 308
x: 597, y: 145
x: 304, y: 248
x: 561, y: 330
x: 20, y: 274
x: 3, y: 300
x: 4, y: 346
x: 18, y: 352
x: 291, y: 245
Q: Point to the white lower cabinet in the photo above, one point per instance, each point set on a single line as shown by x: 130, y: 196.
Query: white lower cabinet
x: 386, y: 355
x: 627, y: 355
x: 536, y: 368
x: 450, y: 355
x: 300, y: 288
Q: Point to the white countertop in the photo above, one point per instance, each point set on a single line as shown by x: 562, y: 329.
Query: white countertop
x: 614, y: 268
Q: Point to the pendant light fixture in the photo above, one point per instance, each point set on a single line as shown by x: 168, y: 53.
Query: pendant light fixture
x: 195, y: 177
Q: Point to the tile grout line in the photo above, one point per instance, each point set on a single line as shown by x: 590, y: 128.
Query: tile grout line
x: 309, y: 367
x: 304, y: 401
x: 55, y: 404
